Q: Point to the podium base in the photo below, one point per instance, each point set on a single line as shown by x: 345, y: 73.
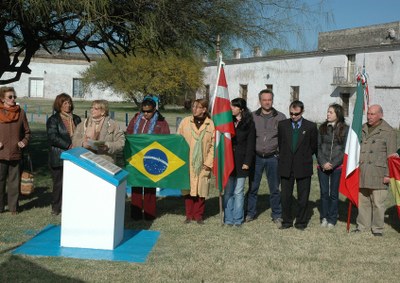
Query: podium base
x: 135, y: 246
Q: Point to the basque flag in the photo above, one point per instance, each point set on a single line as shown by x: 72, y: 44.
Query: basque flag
x: 224, y: 131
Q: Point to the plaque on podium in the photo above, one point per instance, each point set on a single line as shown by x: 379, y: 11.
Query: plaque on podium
x: 93, y: 201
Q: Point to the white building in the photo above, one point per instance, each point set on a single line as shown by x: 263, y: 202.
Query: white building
x: 322, y: 77
x: 54, y: 74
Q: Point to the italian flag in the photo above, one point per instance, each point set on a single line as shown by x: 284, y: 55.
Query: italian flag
x: 222, y: 118
x: 349, y: 180
x: 394, y: 174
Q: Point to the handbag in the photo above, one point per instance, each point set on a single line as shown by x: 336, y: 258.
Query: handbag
x: 27, y: 186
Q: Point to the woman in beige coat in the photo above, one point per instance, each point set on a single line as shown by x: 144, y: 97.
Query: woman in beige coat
x: 99, y: 133
x: 198, y: 131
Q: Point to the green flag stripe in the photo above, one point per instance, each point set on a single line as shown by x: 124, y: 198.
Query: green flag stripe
x: 222, y: 118
x: 219, y: 152
x: 356, y: 125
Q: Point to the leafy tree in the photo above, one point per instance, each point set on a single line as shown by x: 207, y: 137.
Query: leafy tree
x: 168, y: 75
x: 123, y: 26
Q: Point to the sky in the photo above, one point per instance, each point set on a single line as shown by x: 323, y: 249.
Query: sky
x: 353, y: 13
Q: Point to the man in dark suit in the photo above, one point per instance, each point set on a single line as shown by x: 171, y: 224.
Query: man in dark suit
x: 297, y: 141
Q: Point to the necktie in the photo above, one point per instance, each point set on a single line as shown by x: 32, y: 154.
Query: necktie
x: 295, y: 137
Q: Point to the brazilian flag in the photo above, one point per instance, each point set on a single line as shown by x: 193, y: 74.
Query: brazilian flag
x: 157, y: 161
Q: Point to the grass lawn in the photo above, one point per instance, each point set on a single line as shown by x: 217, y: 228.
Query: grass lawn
x: 256, y: 252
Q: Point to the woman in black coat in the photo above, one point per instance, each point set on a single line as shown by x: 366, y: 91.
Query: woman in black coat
x: 243, y: 144
x: 60, y: 128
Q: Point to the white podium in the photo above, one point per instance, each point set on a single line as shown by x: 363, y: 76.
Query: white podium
x: 93, y: 202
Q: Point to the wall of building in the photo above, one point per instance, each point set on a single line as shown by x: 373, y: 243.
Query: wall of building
x: 57, y: 75
x: 313, y: 75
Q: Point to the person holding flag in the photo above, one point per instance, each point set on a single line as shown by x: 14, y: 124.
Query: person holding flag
x: 198, y: 130
x: 148, y: 121
x: 377, y: 143
x: 243, y: 144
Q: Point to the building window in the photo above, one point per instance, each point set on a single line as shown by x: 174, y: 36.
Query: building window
x: 271, y: 87
x: 77, y: 88
x: 294, y: 93
x: 345, y: 103
x: 351, y: 68
x: 243, y: 92
x: 36, y: 87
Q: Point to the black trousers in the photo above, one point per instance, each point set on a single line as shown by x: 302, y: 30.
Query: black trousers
x: 57, y: 176
x: 10, y: 174
x: 303, y: 194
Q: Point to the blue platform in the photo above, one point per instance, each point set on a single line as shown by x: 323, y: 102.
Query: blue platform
x: 135, y: 246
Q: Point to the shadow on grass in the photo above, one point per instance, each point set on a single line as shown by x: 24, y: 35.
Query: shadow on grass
x: 392, y: 219
x: 40, y: 198
x: 18, y: 269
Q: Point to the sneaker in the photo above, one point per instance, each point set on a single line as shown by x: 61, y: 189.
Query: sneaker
x: 324, y: 223
x: 331, y: 226
x: 377, y: 234
x: 278, y: 222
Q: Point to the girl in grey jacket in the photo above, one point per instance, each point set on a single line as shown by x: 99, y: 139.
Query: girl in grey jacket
x: 331, y: 146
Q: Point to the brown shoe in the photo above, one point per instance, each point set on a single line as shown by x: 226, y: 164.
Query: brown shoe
x: 200, y: 221
x: 187, y: 221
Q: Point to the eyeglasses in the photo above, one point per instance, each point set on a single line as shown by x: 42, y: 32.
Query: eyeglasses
x: 295, y: 114
x: 12, y: 96
x: 148, y: 111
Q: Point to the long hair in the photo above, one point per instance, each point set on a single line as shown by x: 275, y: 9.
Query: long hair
x: 204, y: 103
x: 242, y: 105
x: 339, y: 128
x: 60, y: 99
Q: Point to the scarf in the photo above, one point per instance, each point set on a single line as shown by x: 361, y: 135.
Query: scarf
x: 197, y: 156
x: 153, y: 122
x: 68, y: 121
x: 9, y: 114
x: 93, y: 128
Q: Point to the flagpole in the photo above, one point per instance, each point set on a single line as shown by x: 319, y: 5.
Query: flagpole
x: 212, y: 102
x: 348, y: 216
x: 219, y: 63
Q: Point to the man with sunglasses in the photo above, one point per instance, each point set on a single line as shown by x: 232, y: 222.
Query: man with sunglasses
x: 298, y: 142
x: 148, y: 121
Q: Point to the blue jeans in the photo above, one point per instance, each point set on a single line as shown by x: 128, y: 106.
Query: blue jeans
x: 270, y: 164
x: 329, y: 187
x: 234, y: 201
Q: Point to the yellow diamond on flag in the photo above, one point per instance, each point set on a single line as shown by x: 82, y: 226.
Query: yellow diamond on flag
x: 155, y: 161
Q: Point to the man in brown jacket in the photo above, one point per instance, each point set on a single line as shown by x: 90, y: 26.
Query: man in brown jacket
x: 378, y: 142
